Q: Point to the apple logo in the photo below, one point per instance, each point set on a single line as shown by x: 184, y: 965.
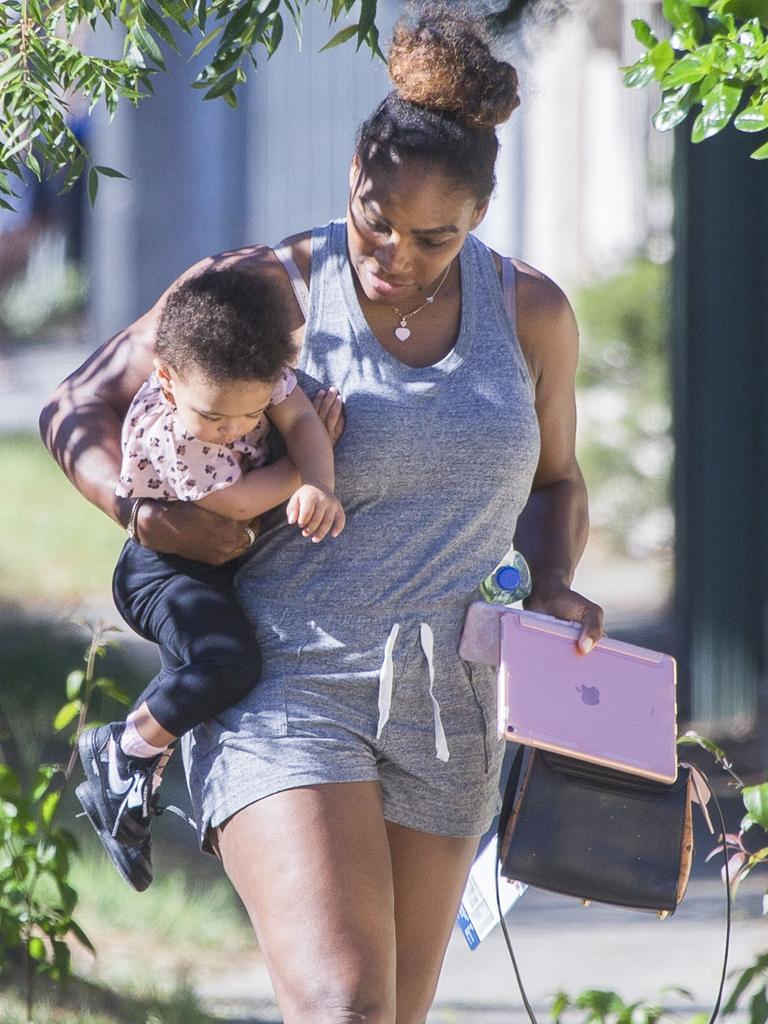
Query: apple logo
x: 590, y: 695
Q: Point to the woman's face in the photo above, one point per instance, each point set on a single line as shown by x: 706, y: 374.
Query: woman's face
x: 405, y: 226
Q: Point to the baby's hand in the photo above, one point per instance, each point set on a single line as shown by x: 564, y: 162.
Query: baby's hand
x: 316, y: 512
x: 330, y: 408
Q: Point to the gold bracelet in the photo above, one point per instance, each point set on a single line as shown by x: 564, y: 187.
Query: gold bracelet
x: 131, y: 528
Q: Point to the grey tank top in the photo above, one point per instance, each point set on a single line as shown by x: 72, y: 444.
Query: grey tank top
x: 435, y: 464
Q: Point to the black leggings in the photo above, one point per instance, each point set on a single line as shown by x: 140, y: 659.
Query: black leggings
x: 208, y: 654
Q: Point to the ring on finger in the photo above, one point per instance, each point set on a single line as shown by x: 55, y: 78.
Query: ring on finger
x: 250, y: 535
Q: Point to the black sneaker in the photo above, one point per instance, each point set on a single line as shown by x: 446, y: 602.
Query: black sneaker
x: 117, y: 796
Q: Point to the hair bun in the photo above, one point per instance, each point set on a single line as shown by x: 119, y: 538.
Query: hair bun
x: 442, y: 61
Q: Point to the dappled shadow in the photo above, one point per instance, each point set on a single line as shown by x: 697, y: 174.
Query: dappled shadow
x: 81, y: 997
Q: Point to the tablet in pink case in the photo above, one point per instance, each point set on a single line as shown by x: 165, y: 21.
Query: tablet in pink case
x: 615, y: 706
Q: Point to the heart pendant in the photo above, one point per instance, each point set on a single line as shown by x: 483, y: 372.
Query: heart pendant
x: 402, y: 333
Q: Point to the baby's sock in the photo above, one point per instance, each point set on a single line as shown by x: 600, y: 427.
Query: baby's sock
x: 133, y: 744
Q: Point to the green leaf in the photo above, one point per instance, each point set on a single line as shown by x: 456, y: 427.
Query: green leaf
x: 237, y: 23
x: 706, y: 85
x: 751, y: 120
x: 673, y: 110
x: 761, y: 153
x: 48, y: 807
x: 747, y: 9
x: 372, y: 39
x: 643, y: 33
x: 745, y: 980
x: 146, y: 43
x: 61, y: 958
x: 341, y: 37
x: 678, y: 13
x: 75, y: 682
x: 222, y: 87
x: 691, y: 738
x: 756, y: 802
x: 683, y: 72
x: 110, y: 172
x: 34, y: 165
x: 758, y: 1008
x: 205, y: 41
x: 560, y: 1004
x: 36, y: 948
x: 367, y: 20
x: 81, y: 937
x: 275, y: 36
x: 661, y: 57
x: 93, y: 188
x: 72, y: 709
x: 158, y: 25
x: 640, y: 74
x: 68, y: 897
x: 113, y: 691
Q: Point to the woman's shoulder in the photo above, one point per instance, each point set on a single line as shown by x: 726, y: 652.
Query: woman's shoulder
x: 262, y: 262
x: 546, y: 324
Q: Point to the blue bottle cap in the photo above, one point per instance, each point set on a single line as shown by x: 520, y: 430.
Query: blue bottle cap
x: 508, y: 577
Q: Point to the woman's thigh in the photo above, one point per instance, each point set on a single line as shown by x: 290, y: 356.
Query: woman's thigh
x: 429, y: 874
x: 312, y: 866
x: 352, y: 913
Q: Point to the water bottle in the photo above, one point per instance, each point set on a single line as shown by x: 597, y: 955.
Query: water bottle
x: 510, y: 581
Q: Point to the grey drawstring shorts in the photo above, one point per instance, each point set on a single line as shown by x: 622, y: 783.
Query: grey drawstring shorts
x: 353, y: 697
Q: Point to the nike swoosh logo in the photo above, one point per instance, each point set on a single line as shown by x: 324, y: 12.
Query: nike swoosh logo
x: 116, y: 782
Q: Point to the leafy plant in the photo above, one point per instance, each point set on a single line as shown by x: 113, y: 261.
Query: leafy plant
x: 715, y: 62
x: 603, y: 1005
x: 37, y: 903
x: 43, y: 65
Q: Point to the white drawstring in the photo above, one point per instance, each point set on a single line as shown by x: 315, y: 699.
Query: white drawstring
x: 386, y: 676
x: 428, y: 646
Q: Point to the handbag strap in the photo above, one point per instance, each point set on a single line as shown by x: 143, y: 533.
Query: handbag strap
x: 509, y: 797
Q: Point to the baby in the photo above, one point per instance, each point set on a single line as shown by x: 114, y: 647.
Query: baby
x: 195, y: 432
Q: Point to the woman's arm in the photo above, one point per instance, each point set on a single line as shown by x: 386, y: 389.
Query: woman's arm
x: 82, y: 421
x: 553, y: 527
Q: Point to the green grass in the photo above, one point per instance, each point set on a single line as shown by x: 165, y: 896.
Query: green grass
x: 169, y: 914
x: 82, y: 1002
x: 55, y: 548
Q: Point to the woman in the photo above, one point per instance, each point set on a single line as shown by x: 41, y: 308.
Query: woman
x: 345, y: 796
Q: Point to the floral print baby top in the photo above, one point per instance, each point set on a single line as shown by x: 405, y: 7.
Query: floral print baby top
x: 162, y: 460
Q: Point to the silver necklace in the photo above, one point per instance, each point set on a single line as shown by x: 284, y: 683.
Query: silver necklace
x: 402, y: 331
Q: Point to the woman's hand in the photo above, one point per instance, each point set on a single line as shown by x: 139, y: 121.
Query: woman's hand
x: 330, y: 408
x: 316, y: 512
x: 554, y: 597
x: 183, y: 528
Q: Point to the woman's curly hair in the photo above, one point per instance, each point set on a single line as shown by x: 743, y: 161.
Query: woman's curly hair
x: 450, y: 93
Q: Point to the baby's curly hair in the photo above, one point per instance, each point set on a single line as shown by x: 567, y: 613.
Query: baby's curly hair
x: 225, y: 325
x: 450, y: 93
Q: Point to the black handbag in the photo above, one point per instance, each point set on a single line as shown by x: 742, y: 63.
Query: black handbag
x: 587, y: 831
x: 598, y: 834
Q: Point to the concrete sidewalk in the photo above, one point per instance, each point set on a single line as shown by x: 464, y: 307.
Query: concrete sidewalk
x: 561, y: 945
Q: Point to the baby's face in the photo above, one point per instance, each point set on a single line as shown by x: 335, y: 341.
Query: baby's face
x: 216, y: 413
